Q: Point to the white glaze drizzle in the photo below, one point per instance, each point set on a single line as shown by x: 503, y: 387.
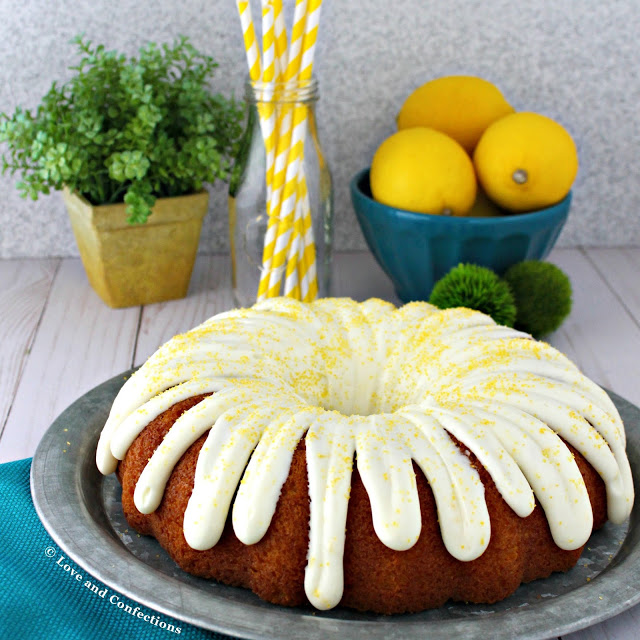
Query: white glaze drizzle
x: 267, y: 471
x: 457, y: 488
x: 382, y: 385
x: 131, y: 427
x: 220, y: 465
x: 330, y: 447
x: 384, y: 464
x: 550, y: 470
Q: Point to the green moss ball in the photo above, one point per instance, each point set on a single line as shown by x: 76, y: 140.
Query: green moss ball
x: 475, y: 287
x: 542, y: 293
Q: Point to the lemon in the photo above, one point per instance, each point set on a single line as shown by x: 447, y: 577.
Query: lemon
x: 423, y: 170
x: 483, y: 207
x: 460, y: 106
x: 526, y: 161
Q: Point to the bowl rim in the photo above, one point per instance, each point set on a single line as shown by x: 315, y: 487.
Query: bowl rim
x: 560, y: 209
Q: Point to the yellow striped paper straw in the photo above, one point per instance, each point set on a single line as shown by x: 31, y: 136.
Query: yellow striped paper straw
x: 277, y: 178
x: 286, y: 217
x: 280, y: 39
x: 267, y: 121
x: 266, y: 106
x: 308, y: 269
x: 281, y: 54
x: 293, y: 59
x: 296, y: 285
x: 292, y: 281
x: 300, y: 276
x: 268, y: 42
x: 266, y: 115
x: 271, y: 63
x: 296, y: 150
x: 310, y: 38
x: 309, y: 278
x: 267, y: 124
x: 284, y: 138
x: 250, y: 42
x: 287, y: 206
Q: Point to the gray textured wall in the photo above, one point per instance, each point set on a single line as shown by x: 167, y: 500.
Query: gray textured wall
x: 574, y: 60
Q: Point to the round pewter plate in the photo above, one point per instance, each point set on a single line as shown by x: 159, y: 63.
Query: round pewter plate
x: 82, y: 512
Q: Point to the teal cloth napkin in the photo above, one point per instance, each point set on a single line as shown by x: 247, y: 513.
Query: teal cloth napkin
x: 39, y: 599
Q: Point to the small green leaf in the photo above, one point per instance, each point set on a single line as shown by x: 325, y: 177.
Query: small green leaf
x: 125, y: 127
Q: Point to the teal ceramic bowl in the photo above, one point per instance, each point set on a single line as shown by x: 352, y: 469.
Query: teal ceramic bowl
x: 416, y: 250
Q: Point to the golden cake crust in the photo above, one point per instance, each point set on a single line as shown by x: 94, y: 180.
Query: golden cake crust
x: 376, y: 578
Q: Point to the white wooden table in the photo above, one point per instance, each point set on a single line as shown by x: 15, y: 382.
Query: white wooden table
x: 58, y: 340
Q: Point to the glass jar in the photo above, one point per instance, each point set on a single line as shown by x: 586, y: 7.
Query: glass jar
x: 305, y: 237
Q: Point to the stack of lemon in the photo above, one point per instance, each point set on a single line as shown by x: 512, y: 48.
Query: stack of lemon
x: 462, y: 150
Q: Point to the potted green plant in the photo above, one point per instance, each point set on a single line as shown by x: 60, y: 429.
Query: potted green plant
x: 131, y: 142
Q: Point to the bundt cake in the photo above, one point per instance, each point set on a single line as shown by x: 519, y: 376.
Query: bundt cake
x: 379, y: 458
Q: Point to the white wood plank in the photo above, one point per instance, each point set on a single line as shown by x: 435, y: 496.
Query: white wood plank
x: 24, y: 287
x: 602, y: 337
x: 209, y: 294
x: 80, y: 343
x: 599, y: 335
x: 620, y: 268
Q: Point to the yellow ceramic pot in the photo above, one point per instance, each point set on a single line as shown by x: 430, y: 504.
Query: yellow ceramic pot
x: 129, y: 265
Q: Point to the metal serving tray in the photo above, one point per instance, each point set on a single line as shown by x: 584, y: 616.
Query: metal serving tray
x: 82, y: 512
